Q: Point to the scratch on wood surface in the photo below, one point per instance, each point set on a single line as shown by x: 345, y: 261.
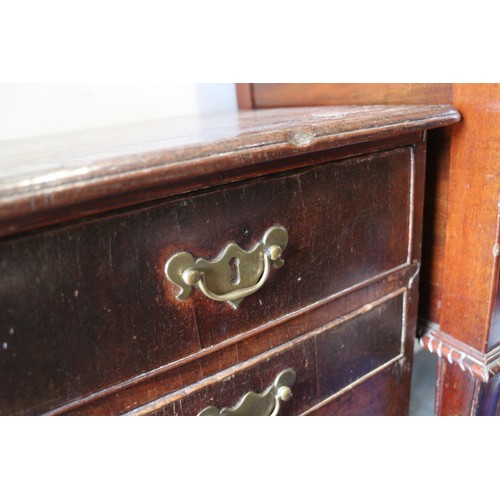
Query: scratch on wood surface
x: 176, y: 219
x: 197, y: 330
x: 316, y: 256
x: 301, y: 195
x: 110, y: 256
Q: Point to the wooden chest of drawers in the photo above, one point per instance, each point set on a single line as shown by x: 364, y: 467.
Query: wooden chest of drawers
x: 91, y: 324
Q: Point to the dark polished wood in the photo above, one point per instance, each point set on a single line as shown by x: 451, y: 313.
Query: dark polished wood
x: 46, y: 180
x: 365, y: 340
x: 90, y: 325
x: 434, y: 224
x: 110, y: 281
x: 366, y: 395
x: 435, y: 209
x: 186, y: 372
x: 460, y: 272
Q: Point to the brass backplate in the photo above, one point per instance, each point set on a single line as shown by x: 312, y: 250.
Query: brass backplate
x: 234, y: 274
x: 257, y: 405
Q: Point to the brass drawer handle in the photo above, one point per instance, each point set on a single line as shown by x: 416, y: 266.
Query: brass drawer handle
x: 232, y: 276
x: 265, y: 404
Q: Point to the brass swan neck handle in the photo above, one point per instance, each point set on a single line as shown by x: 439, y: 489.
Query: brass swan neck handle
x: 268, y: 403
x: 233, y: 275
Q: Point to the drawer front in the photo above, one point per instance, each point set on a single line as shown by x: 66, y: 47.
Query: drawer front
x: 345, y: 354
x: 87, y: 306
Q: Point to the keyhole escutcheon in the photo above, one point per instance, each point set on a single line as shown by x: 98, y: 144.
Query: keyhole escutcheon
x: 235, y: 270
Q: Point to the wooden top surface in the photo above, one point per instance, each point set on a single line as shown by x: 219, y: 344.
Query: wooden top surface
x: 43, y: 174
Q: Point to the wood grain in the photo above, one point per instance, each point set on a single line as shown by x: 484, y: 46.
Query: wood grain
x: 333, y: 94
x: 364, y: 400
x: 101, y: 310
x: 40, y: 178
x: 469, y: 273
x: 435, y: 215
x: 319, y: 375
x: 434, y: 224
x: 457, y: 390
x: 92, y: 327
x: 460, y: 285
x: 142, y: 390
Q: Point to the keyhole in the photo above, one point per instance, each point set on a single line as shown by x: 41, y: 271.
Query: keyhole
x: 235, y: 270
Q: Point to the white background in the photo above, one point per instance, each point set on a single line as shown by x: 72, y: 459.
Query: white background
x: 36, y: 109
